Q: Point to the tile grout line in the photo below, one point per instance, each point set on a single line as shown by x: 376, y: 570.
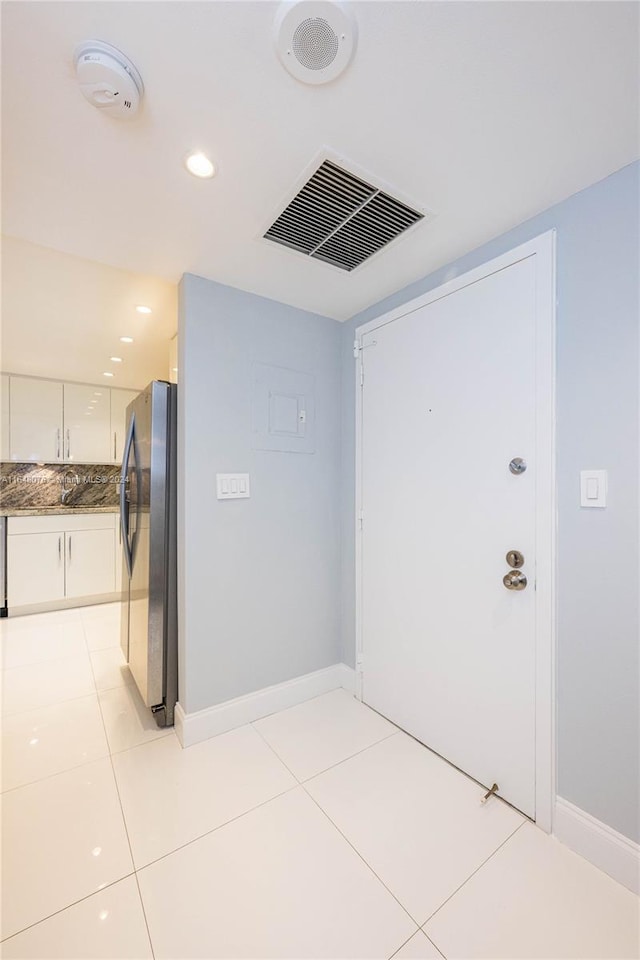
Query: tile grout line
x: 74, y: 903
x: 124, y: 820
x: 325, y: 814
x: 465, y: 882
x: 46, y: 706
x: 353, y: 755
x: 357, y: 852
x: 419, y: 930
x: 397, y: 731
x: 76, y: 767
x: 276, y: 755
x: 87, y: 696
x: 325, y: 769
x: 126, y: 831
x: 207, y: 833
x: 59, y: 773
x: 434, y: 945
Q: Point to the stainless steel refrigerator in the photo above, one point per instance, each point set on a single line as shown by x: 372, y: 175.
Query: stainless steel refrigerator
x: 149, y: 633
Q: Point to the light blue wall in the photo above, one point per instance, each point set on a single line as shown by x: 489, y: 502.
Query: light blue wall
x: 597, y: 427
x: 259, y: 578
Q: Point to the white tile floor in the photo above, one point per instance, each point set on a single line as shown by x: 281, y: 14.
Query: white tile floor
x: 319, y: 832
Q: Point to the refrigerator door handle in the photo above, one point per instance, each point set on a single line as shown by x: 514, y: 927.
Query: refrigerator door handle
x: 124, y: 502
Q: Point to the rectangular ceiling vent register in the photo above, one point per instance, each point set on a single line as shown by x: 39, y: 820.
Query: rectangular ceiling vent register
x: 340, y: 219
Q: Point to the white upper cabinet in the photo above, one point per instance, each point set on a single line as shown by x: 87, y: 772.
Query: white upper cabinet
x: 52, y: 422
x: 4, y: 417
x: 36, y: 420
x: 87, y: 424
x: 120, y: 400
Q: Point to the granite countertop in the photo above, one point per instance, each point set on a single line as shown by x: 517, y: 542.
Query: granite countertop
x: 53, y: 511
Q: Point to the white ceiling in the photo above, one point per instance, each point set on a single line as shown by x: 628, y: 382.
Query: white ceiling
x: 63, y: 316
x: 485, y: 112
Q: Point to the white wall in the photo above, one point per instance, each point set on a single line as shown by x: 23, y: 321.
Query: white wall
x: 259, y: 578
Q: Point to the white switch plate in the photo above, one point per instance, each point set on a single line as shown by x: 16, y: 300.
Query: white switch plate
x: 593, y: 488
x: 232, y: 486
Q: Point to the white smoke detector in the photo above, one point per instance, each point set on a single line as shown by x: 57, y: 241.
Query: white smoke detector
x: 315, y: 39
x: 108, y: 79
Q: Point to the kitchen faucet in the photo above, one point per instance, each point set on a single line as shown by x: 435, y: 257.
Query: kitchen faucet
x: 67, y: 491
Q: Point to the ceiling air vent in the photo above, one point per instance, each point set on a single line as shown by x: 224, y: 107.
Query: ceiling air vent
x: 340, y: 219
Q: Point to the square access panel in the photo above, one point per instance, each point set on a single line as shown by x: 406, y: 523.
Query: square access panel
x: 283, y: 409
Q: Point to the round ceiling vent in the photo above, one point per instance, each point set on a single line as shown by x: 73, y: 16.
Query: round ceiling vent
x: 108, y: 79
x: 315, y: 39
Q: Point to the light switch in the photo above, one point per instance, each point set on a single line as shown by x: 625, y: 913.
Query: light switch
x: 593, y: 488
x: 232, y: 486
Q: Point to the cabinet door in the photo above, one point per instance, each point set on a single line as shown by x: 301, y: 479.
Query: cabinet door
x: 4, y: 417
x: 120, y: 400
x: 90, y: 563
x: 35, y: 568
x: 87, y: 424
x: 36, y: 420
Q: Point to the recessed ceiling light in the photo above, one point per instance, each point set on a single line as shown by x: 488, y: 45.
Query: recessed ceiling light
x: 116, y: 359
x: 126, y: 339
x: 142, y: 309
x: 107, y: 374
x: 200, y: 166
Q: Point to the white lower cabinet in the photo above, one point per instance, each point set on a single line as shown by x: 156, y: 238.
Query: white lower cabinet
x: 35, y: 568
x: 60, y: 558
x: 90, y: 563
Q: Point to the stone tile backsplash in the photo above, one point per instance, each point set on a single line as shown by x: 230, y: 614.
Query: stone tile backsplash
x: 29, y: 485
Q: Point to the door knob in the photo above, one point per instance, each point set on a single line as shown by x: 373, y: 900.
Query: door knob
x: 515, y: 580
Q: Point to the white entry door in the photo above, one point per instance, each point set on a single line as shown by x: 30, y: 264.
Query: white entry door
x: 448, y: 402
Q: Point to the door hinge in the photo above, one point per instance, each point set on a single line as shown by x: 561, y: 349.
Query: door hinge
x: 362, y: 374
x: 361, y: 519
x: 360, y: 663
x: 356, y: 349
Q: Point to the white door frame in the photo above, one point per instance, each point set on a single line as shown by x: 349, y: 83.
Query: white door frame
x: 543, y: 248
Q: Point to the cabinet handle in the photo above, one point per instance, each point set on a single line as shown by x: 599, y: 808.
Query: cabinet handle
x: 114, y: 444
x: 59, y: 549
x: 68, y: 445
x: 69, y: 535
x: 58, y: 443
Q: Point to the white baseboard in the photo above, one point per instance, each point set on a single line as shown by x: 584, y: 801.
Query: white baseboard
x: 607, y: 849
x: 193, y: 727
x: 347, y: 677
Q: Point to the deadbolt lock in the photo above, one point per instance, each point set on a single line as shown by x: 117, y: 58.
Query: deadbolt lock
x: 515, y: 580
x: 517, y: 466
x: 515, y: 559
